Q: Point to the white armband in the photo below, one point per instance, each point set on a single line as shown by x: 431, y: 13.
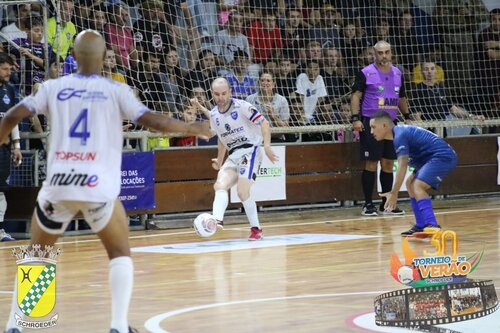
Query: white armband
x: 14, y: 135
x: 17, y: 145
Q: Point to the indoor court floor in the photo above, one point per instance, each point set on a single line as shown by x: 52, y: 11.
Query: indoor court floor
x: 316, y: 270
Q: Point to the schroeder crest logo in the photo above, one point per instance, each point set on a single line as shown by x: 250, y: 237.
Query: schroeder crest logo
x: 36, y: 285
x: 434, y: 269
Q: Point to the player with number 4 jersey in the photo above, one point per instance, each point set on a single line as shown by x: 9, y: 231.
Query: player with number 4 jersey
x: 86, y: 112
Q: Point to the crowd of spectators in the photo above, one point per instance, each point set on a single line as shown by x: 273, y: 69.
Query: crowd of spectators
x: 295, y: 60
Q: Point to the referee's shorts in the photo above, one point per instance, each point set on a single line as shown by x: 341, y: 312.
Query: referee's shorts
x: 371, y: 149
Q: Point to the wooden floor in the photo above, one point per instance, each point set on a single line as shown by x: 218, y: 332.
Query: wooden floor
x: 315, y: 287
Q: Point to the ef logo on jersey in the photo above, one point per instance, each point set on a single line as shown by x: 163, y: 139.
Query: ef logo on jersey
x: 68, y: 93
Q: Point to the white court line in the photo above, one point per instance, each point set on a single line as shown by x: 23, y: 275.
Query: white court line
x: 153, y: 324
x: 279, y: 225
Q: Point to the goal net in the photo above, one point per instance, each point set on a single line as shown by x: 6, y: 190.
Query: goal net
x: 295, y: 61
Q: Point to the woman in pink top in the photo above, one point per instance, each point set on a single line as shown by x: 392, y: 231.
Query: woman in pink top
x: 121, y: 38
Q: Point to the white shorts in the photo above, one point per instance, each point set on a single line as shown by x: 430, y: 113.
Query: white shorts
x: 54, y: 217
x: 246, y: 161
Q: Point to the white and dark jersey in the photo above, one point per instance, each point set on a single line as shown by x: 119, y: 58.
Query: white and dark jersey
x: 85, y: 147
x: 238, y: 127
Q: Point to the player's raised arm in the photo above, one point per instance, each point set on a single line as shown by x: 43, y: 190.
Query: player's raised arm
x: 163, y: 123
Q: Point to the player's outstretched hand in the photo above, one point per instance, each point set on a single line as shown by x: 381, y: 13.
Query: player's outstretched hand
x: 202, y: 129
x: 270, y: 154
x: 391, y: 202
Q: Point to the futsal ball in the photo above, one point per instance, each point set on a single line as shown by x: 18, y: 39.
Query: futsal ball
x: 405, y: 274
x: 205, y: 225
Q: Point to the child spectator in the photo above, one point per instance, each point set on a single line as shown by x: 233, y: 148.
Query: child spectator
x: 242, y: 84
x: 188, y: 114
x: 312, y: 91
x: 109, y: 68
x: 33, y: 50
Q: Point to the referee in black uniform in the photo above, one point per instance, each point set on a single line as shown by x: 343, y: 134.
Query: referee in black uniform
x: 8, y: 149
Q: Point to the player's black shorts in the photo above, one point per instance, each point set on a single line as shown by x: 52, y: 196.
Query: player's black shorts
x: 5, y: 157
x: 373, y: 150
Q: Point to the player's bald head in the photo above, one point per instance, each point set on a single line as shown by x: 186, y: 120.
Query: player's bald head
x: 89, y: 45
x: 220, y: 83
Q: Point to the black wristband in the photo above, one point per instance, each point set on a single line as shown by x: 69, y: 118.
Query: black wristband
x: 407, y: 116
x: 355, y: 117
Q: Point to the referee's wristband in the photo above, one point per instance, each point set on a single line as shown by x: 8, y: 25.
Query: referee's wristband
x: 355, y: 117
x: 407, y: 116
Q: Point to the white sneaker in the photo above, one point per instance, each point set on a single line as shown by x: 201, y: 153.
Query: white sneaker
x: 5, y: 237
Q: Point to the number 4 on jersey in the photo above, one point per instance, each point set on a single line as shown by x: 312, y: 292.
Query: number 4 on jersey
x: 79, y: 127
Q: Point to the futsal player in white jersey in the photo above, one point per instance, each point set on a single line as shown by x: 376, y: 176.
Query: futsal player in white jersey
x: 244, y: 133
x: 86, y: 112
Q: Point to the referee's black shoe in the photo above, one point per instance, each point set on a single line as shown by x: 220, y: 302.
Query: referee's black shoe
x: 395, y: 211
x: 369, y: 210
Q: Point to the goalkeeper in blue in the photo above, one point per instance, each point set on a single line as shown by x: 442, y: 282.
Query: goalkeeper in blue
x: 430, y: 156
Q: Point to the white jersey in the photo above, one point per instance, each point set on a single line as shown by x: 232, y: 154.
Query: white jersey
x: 85, y: 148
x: 238, y: 127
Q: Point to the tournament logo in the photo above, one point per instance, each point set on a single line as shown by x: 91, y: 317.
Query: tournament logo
x: 434, y: 269
x: 441, y: 292
x: 36, y: 286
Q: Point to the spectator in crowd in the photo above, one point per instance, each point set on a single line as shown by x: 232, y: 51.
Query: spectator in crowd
x: 260, y: 7
x: 406, y: 45
x: 33, y: 50
x: 285, y: 81
x: 293, y: 34
x: 231, y: 39
x: 203, y: 74
x: 350, y: 46
x: 431, y: 103
x: 312, y: 92
x: 264, y: 38
x: 377, y: 87
x: 82, y: 14
x: 97, y: 19
x: 456, y: 22
x: 271, y: 105
x: 67, y: 30
x: 366, y: 57
x: 241, y: 83
x: 171, y: 16
x: 382, y: 32
x: 434, y: 56
x: 109, y: 68
x: 174, y: 78
x: 7, y: 153
x: 188, y: 114
x: 313, y: 51
x: 18, y: 28
x: 327, y: 31
x: 201, y: 97
x: 152, y: 90
x: 335, y: 76
x: 151, y: 33
x: 488, y: 51
x: 226, y: 7
x: 120, y: 37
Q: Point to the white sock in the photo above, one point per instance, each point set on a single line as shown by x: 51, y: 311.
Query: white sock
x: 251, y: 211
x: 11, y: 323
x: 3, y: 206
x: 221, y: 201
x: 121, y: 281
